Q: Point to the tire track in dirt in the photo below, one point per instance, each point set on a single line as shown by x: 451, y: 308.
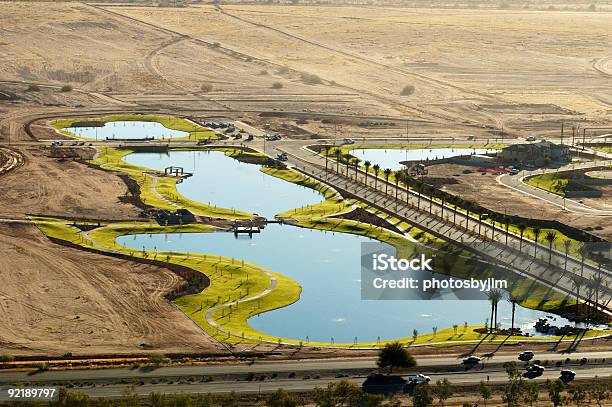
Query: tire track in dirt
x: 216, y: 47
x: 357, y: 57
x: 152, y: 67
x: 10, y: 160
x: 603, y: 65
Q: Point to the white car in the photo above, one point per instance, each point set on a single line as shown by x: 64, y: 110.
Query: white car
x: 419, y: 378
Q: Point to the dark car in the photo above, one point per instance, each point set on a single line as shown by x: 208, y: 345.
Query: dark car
x: 526, y: 356
x: 567, y: 375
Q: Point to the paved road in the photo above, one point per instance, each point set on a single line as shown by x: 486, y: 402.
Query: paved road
x: 322, y: 366
x: 306, y: 384
x: 517, y: 183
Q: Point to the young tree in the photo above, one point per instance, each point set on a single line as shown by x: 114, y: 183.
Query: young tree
x: 443, y: 390
x: 599, y: 393
x: 555, y: 387
x: 521, y: 229
x: 394, y: 355
x: 422, y: 396
x: 578, y: 395
x: 532, y: 393
x: 280, y: 398
x: 485, y: 392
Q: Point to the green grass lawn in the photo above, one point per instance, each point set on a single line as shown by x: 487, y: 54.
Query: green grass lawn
x: 196, y: 132
x: 160, y: 192
x: 551, y: 182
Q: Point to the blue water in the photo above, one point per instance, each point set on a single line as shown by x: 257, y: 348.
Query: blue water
x: 328, y: 267
x: 127, y: 129
x: 222, y: 181
x: 391, y: 158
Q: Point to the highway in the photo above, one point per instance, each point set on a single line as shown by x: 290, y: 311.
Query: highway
x: 199, y: 385
x: 326, y: 366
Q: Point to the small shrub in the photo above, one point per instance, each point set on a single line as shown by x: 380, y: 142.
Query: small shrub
x: 592, y: 7
x: 66, y: 88
x: 206, y: 87
x: 283, y: 70
x: 277, y: 85
x: 407, y: 91
x: 33, y: 88
x: 263, y: 72
x: 311, y: 79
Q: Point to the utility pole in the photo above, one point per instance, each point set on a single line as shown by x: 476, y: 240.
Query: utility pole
x: 561, y: 133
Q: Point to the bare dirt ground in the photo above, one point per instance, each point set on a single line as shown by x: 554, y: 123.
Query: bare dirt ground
x: 56, y: 300
x: 51, y: 186
x: 481, y: 187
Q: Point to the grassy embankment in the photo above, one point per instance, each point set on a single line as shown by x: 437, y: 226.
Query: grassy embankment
x: 321, y: 216
x: 551, y: 182
x: 529, y: 232
x: 160, y: 192
x: 196, y: 132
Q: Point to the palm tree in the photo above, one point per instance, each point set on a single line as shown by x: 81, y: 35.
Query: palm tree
x: 398, y: 174
x: 536, y: 236
x: 568, y: 246
x: 367, y: 166
x: 347, y: 161
x: 337, y: 155
x: 376, y: 169
x: 356, y: 162
x: 521, y: 229
x: 596, y: 282
x: 495, y: 297
x: 387, y: 173
x: 577, y: 282
x: 513, y: 300
x: 550, y: 237
x: 507, y: 220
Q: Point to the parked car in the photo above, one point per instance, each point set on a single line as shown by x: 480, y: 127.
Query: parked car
x: 250, y: 138
x: 526, y: 356
x: 567, y: 375
x: 419, y: 378
x: 57, y: 143
x: 471, y: 360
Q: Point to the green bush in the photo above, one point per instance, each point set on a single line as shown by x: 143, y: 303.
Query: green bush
x: 277, y: 85
x: 66, y: 88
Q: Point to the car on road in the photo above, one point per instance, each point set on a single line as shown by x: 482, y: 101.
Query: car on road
x: 514, y: 171
x: 471, y: 360
x: 282, y: 157
x: 57, y: 143
x: 272, y: 137
x: 419, y: 378
x: 533, y: 371
x: 349, y: 141
x: 526, y: 356
x: 250, y: 138
x: 531, y: 138
x: 567, y: 375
